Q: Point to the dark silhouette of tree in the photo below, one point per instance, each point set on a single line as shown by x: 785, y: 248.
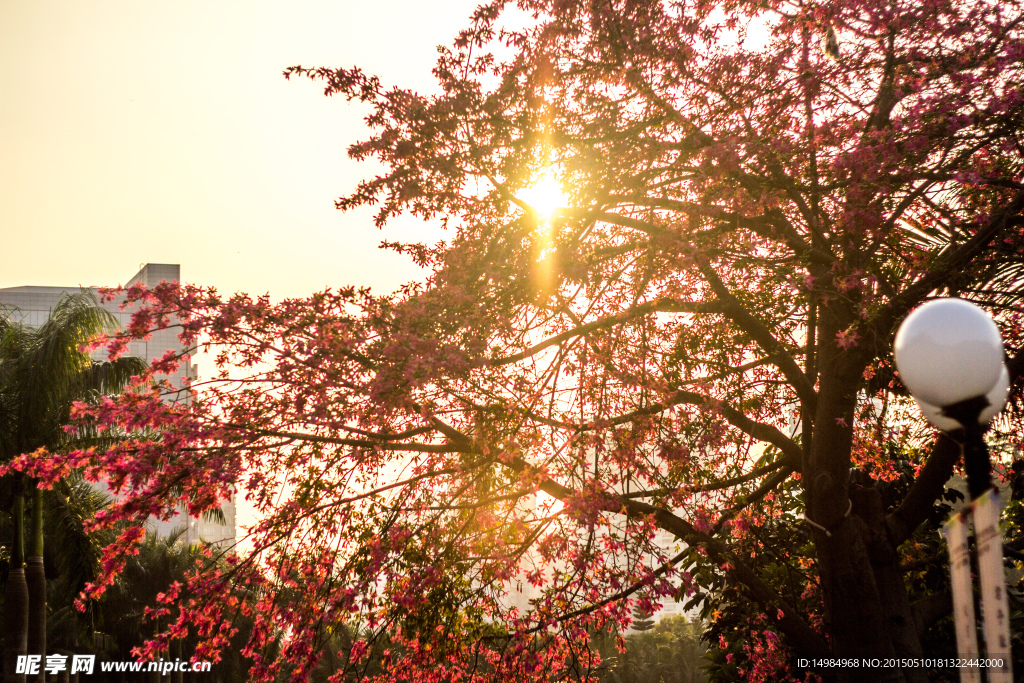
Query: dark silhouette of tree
x: 72, y: 561
x: 642, y: 620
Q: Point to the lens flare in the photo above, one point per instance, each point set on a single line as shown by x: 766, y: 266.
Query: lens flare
x: 545, y: 196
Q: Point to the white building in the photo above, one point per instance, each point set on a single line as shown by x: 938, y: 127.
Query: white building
x: 32, y: 305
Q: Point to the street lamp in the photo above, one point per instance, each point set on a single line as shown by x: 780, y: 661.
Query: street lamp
x: 996, y: 398
x: 950, y: 356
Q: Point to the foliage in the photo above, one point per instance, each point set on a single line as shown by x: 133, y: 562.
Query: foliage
x: 72, y: 557
x: 42, y: 372
x: 744, y: 642
x: 129, y: 613
x: 641, y: 619
x: 745, y: 223
x: 669, y: 652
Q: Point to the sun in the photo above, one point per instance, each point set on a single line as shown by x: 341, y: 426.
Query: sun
x: 545, y: 196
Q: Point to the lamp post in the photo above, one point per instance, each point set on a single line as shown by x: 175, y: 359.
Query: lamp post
x: 950, y: 356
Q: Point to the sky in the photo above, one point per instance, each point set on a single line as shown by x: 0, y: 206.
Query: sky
x: 163, y: 132
x: 137, y: 132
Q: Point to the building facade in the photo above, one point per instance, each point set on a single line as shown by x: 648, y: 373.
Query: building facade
x: 31, y: 306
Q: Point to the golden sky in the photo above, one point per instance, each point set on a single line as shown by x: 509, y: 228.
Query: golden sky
x: 136, y: 131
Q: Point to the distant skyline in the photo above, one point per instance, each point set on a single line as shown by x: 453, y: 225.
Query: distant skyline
x: 164, y: 132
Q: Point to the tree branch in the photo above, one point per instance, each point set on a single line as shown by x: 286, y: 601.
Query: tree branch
x: 761, y: 225
x: 716, y: 486
x: 757, y: 430
x: 796, y: 629
x: 664, y: 305
x: 772, y: 347
x: 357, y: 443
x: 955, y: 260
x: 926, y: 489
x: 799, y: 633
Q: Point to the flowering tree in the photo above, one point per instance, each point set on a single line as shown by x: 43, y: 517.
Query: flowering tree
x: 677, y: 256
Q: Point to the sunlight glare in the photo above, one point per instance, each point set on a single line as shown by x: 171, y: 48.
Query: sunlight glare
x: 545, y: 196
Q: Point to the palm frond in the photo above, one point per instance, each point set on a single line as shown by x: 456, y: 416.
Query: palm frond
x: 215, y: 515
x: 42, y: 372
x: 110, y: 377
x: 68, y: 505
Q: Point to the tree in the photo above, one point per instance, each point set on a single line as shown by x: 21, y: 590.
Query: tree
x: 642, y: 619
x: 72, y: 560
x: 671, y: 651
x: 122, y: 614
x: 42, y: 372
x: 743, y: 228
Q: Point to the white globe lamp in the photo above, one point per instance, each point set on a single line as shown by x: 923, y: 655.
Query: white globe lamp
x: 950, y: 356
x: 948, y: 351
x: 996, y: 398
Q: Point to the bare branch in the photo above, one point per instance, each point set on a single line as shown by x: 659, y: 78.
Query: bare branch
x: 772, y: 347
x: 659, y: 305
x: 926, y: 489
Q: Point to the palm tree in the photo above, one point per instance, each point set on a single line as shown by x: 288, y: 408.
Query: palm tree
x: 72, y: 502
x: 121, y: 611
x: 121, y: 618
x: 42, y: 372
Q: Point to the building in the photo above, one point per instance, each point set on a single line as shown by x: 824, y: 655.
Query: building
x: 32, y: 305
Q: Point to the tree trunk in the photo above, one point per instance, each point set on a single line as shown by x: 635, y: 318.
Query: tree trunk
x: 15, y: 623
x: 16, y: 599
x: 177, y: 676
x: 867, y: 610
x: 35, y: 577
x: 35, y: 580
